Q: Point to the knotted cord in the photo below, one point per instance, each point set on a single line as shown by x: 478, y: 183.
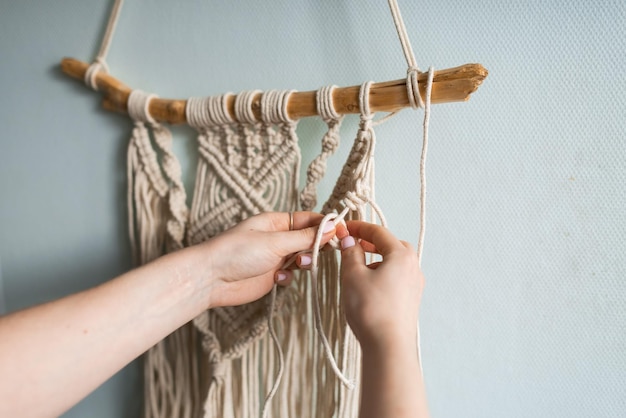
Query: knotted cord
x: 99, y: 63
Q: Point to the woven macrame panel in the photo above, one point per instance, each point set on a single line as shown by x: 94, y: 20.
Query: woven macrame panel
x: 243, y: 170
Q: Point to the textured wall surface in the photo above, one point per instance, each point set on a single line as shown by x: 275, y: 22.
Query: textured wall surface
x: 524, y: 313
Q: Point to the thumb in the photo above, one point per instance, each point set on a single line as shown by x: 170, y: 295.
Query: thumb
x: 352, y: 257
x: 302, y: 239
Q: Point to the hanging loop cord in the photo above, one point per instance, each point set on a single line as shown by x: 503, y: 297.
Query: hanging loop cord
x: 99, y: 63
x: 416, y: 101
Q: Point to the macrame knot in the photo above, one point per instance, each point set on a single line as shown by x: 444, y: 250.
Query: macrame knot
x: 218, y: 369
x: 353, y: 201
x: 412, y: 88
x: 330, y: 142
x: 96, y: 66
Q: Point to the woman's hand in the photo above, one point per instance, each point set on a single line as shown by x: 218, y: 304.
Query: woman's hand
x: 245, y: 261
x: 382, y: 299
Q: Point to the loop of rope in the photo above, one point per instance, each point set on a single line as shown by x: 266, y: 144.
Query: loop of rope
x: 194, y: 112
x: 218, y: 109
x: 412, y: 88
x: 138, y: 106
x: 93, y: 70
x: 274, y: 106
x: 243, y: 106
x: 331, y: 217
x: 325, y: 104
x: 206, y: 112
x: 364, y: 100
x: 99, y: 63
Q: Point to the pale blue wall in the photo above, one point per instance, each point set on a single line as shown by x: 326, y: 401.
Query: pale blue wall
x: 524, y: 313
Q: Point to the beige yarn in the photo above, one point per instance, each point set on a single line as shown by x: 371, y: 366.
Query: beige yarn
x: 223, y: 362
x: 226, y: 355
x: 330, y: 142
x: 246, y: 167
x: 157, y: 219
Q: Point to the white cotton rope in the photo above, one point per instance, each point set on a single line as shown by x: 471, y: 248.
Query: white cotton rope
x: 330, y: 143
x: 279, y: 350
x: 361, y: 176
x: 416, y: 101
x: 420, y: 242
x: 138, y: 106
x: 99, y: 63
x: 336, y: 219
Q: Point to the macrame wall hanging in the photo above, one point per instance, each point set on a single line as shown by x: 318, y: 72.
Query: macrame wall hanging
x: 294, y: 344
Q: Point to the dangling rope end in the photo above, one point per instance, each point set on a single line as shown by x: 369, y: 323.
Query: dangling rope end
x: 349, y: 384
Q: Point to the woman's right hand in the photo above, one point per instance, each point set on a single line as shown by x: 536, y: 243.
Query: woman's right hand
x: 381, y: 300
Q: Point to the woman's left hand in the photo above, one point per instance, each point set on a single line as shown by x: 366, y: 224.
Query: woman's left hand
x: 245, y: 261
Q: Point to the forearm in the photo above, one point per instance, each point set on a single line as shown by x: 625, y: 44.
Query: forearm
x: 53, y: 355
x: 392, y: 384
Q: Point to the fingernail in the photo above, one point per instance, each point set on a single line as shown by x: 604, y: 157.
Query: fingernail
x: 281, y: 276
x: 328, y: 227
x: 347, y: 242
x: 305, y: 260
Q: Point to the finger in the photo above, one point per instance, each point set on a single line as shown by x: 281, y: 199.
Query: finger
x: 280, y: 221
x: 283, y: 277
x: 368, y: 247
x: 407, y: 245
x: 301, y: 239
x: 342, y: 231
x: 243, y: 291
x: 374, y: 265
x: 384, y: 241
x: 304, y: 261
x: 352, y: 258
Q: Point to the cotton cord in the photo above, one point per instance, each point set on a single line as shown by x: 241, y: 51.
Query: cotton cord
x: 336, y: 219
x: 330, y: 142
x: 416, y: 101
x: 246, y: 166
x: 331, y: 217
x: 281, y: 357
x: 99, y: 63
x: 138, y: 106
x: 420, y: 242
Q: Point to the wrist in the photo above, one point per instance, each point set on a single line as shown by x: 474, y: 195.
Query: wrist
x: 399, y: 334
x: 204, y: 276
x: 391, y: 345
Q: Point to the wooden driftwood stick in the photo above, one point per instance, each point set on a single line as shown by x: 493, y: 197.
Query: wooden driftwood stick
x: 449, y: 85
